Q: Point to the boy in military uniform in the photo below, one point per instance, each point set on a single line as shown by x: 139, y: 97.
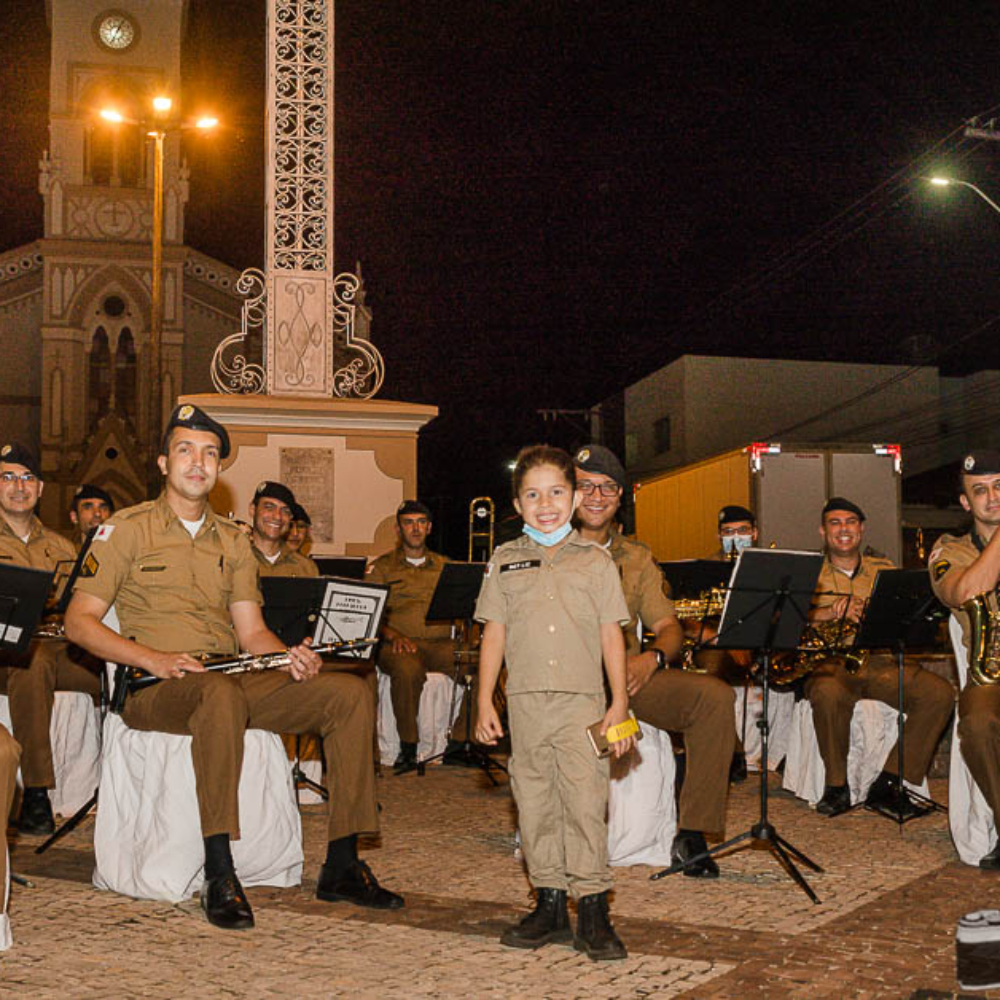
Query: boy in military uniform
x: 271, y: 520
x: 553, y: 607
x: 698, y: 706
x: 410, y: 647
x: 31, y: 685
x: 961, y: 568
x: 845, y: 583
x: 184, y: 581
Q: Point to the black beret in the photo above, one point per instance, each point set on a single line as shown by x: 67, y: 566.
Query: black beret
x: 981, y: 463
x: 601, y: 461
x: 412, y: 507
x: 839, y: 503
x: 88, y: 491
x: 276, y: 491
x: 16, y: 453
x: 734, y: 512
x: 299, y: 513
x: 187, y: 415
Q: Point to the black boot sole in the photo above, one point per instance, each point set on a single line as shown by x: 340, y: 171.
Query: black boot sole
x: 599, y: 956
x: 564, y: 936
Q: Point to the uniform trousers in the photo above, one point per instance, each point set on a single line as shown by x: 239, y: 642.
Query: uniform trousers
x: 31, y: 692
x: 10, y: 755
x: 720, y: 663
x: 701, y: 709
x: 833, y: 692
x: 217, y: 709
x: 561, y: 790
x: 979, y: 733
x: 407, y: 674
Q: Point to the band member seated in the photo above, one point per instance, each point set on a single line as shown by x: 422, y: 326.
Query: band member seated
x: 737, y: 531
x: 410, y: 647
x: 299, y: 535
x: 845, y: 583
x: 698, y: 706
x: 962, y: 568
x: 90, y: 508
x: 31, y: 681
x: 184, y: 581
x: 271, y: 519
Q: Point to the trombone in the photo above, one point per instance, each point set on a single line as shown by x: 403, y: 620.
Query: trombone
x: 481, y: 517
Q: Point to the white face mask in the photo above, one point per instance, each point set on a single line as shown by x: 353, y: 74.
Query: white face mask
x: 736, y: 543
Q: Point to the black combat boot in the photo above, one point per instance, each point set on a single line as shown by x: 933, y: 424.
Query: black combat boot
x: 594, y: 933
x: 547, y: 923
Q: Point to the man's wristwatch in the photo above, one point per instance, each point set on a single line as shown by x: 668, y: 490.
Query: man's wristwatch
x: 661, y: 659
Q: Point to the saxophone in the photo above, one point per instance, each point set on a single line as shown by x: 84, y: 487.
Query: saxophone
x: 821, y: 641
x: 984, y: 640
x: 707, y: 605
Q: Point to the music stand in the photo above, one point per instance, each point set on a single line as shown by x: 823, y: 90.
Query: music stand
x: 766, y: 610
x: 23, y: 595
x: 902, y: 611
x: 325, y: 609
x: 455, y: 598
x: 346, y: 567
x: 690, y: 578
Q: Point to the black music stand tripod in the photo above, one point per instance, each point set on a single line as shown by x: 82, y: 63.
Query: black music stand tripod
x: 455, y: 598
x: 766, y: 611
x: 902, y: 612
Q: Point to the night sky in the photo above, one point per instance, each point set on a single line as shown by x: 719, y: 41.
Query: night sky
x: 552, y: 199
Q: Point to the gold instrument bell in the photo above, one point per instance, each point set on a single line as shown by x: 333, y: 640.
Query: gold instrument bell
x: 984, y: 639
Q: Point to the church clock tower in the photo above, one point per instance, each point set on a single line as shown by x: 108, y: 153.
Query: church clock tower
x: 96, y: 182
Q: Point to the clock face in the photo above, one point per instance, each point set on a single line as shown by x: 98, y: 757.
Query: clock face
x: 116, y: 31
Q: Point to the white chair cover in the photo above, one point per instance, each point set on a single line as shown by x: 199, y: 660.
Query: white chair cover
x: 642, y: 813
x: 780, y: 710
x: 873, y: 735
x: 6, y: 938
x: 75, y: 732
x: 440, y: 701
x: 973, y: 828
x: 147, y: 837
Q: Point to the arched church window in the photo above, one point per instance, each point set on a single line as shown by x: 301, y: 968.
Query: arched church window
x: 125, y: 375
x: 99, y: 380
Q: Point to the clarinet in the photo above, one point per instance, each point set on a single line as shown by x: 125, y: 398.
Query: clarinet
x: 129, y: 679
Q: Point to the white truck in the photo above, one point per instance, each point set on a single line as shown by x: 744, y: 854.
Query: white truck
x: 785, y: 485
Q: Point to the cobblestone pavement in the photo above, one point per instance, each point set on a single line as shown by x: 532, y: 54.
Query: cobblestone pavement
x: 884, y: 928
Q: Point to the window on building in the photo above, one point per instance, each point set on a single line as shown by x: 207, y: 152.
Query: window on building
x: 661, y: 434
x: 125, y: 376
x: 99, y: 380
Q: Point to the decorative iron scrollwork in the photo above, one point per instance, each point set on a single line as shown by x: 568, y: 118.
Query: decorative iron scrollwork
x: 239, y: 376
x: 361, y: 377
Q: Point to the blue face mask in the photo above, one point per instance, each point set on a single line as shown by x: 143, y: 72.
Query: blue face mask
x: 736, y: 543
x: 550, y: 539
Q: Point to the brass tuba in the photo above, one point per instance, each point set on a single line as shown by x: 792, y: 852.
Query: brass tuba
x: 984, y: 640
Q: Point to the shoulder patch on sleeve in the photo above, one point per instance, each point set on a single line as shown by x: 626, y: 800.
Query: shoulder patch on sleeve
x: 104, y: 532
x: 939, y: 568
x: 90, y: 565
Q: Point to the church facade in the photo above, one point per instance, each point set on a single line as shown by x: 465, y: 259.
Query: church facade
x: 75, y: 310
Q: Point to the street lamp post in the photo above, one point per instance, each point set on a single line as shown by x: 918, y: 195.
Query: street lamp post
x: 949, y: 181
x: 157, y: 129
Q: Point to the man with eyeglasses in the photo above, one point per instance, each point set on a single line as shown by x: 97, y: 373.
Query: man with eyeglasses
x: 411, y: 647
x: 697, y: 706
x: 31, y: 680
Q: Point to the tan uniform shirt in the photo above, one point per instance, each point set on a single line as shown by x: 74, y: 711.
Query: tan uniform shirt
x: 410, y: 591
x: 44, y: 549
x: 834, y: 583
x: 172, y: 591
x: 646, y: 591
x: 552, y: 603
x: 288, y: 563
x: 953, y: 553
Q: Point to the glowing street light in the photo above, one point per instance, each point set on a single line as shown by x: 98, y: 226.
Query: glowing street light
x: 157, y: 129
x: 949, y: 181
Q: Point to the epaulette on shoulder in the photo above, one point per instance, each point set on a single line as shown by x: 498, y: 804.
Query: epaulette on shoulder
x: 127, y: 513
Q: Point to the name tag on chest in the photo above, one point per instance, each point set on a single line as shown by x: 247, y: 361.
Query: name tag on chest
x: 523, y: 564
